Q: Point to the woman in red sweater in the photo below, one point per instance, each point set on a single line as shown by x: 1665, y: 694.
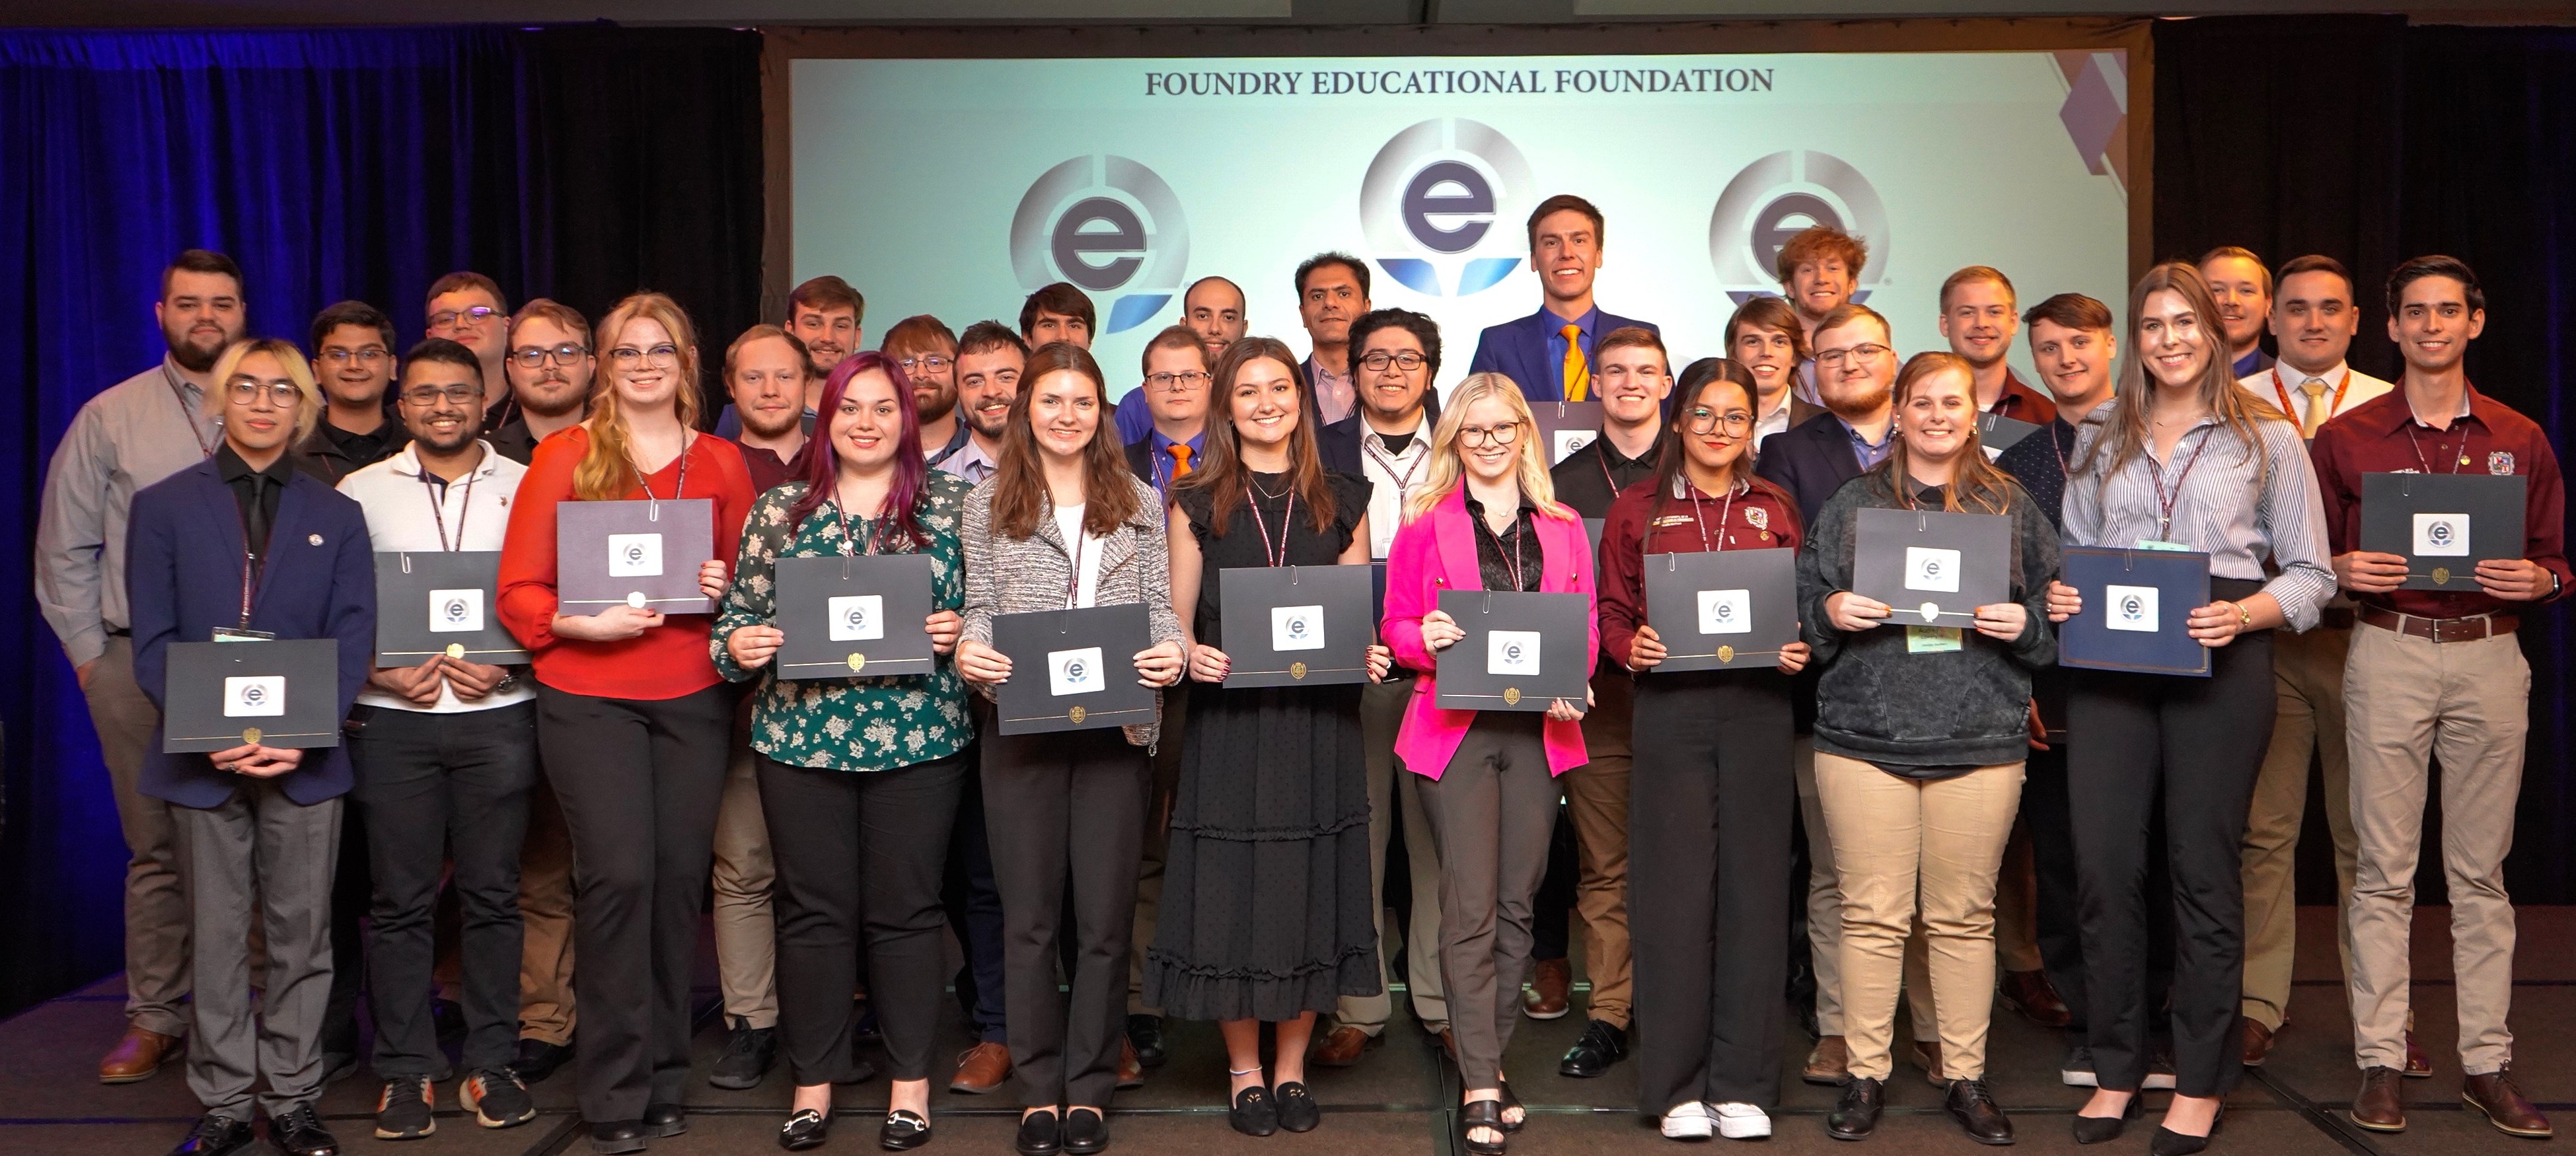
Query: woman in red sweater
x: 633, y: 720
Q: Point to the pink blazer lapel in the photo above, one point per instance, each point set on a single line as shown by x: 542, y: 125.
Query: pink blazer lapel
x: 1456, y: 532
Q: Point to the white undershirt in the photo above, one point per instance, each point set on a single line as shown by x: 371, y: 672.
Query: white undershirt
x: 1068, y: 522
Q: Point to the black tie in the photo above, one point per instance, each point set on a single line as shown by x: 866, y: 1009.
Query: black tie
x: 255, y: 522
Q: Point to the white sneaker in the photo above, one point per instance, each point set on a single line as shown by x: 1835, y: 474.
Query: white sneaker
x: 1742, y: 1122
x: 1688, y: 1120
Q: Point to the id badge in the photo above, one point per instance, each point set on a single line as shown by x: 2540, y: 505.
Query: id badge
x: 2160, y: 544
x: 1932, y: 639
x: 233, y: 634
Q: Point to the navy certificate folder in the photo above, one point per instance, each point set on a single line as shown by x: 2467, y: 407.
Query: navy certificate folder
x: 2137, y: 604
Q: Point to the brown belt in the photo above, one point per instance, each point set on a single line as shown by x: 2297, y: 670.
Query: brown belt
x: 2470, y: 629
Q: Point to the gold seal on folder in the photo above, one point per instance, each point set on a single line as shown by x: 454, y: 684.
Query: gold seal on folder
x: 1726, y: 654
x: 1512, y: 695
x: 250, y: 737
x: 1075, y: 716
x: 1296, y: 670
x: 2441, y: 575
x: 456, y: 650
x: 857, y: 661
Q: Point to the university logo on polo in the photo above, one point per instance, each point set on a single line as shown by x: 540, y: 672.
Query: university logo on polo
x: 1441, y: 207
x: 1774, y: 198
x: 2499, y: 461
x: 1109, y: 225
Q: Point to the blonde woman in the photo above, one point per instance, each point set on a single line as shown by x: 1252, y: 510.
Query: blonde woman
x: 1487, y: 518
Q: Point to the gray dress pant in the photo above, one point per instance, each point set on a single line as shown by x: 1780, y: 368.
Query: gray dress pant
x: 259, y: 854
x: 1492, y: 812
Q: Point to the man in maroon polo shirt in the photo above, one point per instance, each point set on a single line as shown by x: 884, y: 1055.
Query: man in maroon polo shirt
x: 2437, y: 671
x: 1978, y: 320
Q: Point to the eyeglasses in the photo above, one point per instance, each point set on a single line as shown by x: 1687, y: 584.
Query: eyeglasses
x: 1866, y: 351
x: 1701, y: 419
x: 1176, y: 382
x: 278, y: 393
x: 370, y: 356
x: 928, y: 361
x: 1407, y: 361
x: 664, y: 354
x: 534, y: 356
x: 1498, y: 434
x: 460, y: 393
x: 450, y: 318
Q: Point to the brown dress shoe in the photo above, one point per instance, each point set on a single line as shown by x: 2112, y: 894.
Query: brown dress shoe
x: 981, y: 1069
x: 2030, y: 993
x: 1131, y: 1072
x: 1830, y: 1064
x: 2419, y: 1063
x: 1448, y: 1044
x: 2257, y: 1041
x: 2377, y: 1106
x: 137, y: 1056
x: 1927, y: 1056
x: 1341, y: 1048
x: 1545, y: 998
x: 2495, y: 1095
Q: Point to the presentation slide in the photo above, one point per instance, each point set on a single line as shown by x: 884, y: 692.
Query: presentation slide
x: 954, y: 187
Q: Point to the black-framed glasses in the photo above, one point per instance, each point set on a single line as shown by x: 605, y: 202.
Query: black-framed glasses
x: 1866, y: 351
x: 1176, y: 382
x: 535, y: 356
x: 449, y: 318
x: 663, y: 354
x: 1700, y: 419
x: 284, y: 394
x: 1498, y: 434
x: 1380, y: 360
x: 930, y: 362
x: 370, y: 356
x: 459, y: 393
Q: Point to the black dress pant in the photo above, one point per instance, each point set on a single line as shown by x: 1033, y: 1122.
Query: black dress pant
x: 859, y: 857
x: 639, y: 781
x: 2044, y: 808
x: 1066, y: 813
x: 435, y: 787
x: 1711, y: 802
x: 2196, y: 744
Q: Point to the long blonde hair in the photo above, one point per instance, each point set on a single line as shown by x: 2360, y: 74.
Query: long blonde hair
x: 2132, y: 397
x: 308, y: 412
x: 1446, y: 472
x: 1973, y: 477
x: 607, y: 471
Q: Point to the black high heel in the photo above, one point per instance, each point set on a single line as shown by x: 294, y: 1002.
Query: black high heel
x: 2168, y: 1142
x: 1486, y: 1114
x: 2104, y: 1129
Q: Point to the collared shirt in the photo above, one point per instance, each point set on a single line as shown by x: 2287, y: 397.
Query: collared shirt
x: 956, y: 441
x: 1776, y: 421
x: 2357, y: 389
x: 2385, y: 436
x: 2039, y: 463
x: 2022, y: 403
x: 134, y: 433
x: 970, y: 462
x: 768, y: 472
x: 1335, y: 393
x: 331, y: 453
x: 411, y: 511
x: 255, y: 492
x: 1590, y: 320
x: 1803, y: 386
x: 1589, y: 479
x: 1392, y: 473
x: 1758, y: 516
x: 1869, y: 455
x: 2252, y: 363
x: 1159, y: 452
x: 2241, y: 504
x: 1513, y: 559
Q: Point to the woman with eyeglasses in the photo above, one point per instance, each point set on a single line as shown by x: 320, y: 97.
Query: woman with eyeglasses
x: 1486, y: 518
x: 633, y: 719
x: 1711, y: 795
x: 1265, y: 914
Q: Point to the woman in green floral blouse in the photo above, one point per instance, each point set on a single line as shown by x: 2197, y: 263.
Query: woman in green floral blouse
x: 859, y: 776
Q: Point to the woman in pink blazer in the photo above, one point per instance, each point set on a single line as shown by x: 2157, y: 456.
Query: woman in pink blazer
x: 1486, y: 519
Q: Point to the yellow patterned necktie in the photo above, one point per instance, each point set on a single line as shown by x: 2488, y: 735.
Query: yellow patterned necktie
x: 1578, y: 376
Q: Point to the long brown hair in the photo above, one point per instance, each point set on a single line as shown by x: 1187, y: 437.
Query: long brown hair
x: 1019, y: 481
x: 1973, y: 479
x: 2133, y: 396
x: 1672, y: 457
x: 1224, y: 474
x: 607, y: 471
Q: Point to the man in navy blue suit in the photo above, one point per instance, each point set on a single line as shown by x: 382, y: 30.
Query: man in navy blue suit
x: 244, y: 544
x: 1549, y: 353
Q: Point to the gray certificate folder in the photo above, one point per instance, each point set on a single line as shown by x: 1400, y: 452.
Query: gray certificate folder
x: 222, y: 695
x: 854, y: 617
x: 1932, y: 567
x: 1723, y: 608
x: 1998, y: 433
x: 1565, y: 426
x: 2444, y: 524
x: 640, y: 554
x: 1521, y: 650
x: 431, y: 602
x: 1296, y: 625
x: 2137, y: 604
x: 1073, y: 669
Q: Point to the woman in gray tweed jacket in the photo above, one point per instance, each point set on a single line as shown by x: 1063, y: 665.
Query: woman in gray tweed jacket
x: 1062, y: 523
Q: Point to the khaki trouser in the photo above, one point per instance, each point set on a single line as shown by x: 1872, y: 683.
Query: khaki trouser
x: 545, y: 906
x: 746, y: 935
x: 1394, y: 791
x: 2308, y: 670
x: 2467, y: 703
x: 1825, y: 916
x: 156, y: 897
x: 1904, y: 845
x: 1596, y: 798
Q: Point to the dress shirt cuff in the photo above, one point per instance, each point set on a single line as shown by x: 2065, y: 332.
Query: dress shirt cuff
x: 85, y: 646
x: 2302, y: 592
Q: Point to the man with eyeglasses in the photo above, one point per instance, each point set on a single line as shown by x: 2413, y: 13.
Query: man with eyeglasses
x: 1212, y: 307
x: 132, y: 434
x: 467, y: 308
x: 989, y: 360
x: 1819, y: 271
x: 353, y: 359
x: 550, y: 369
x: 1176, y: 390
x: 445, y: 755
x: 927, y: 351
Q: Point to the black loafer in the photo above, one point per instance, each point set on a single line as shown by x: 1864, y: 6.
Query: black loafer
x: 1602, y: 1045
x: 1298, y: 1111
x: 1972, y: 1104
x: 806, y: 1129
x: 666, y: 1119
x: 1146, y: 1033
x: 1040, y: 1135
x: 1855, y: 1116
x: 299, y: 1132
x: 1086, y: 1131
x: 902, y: 1132
x: 217, y: 1135
x: 1253, y: 1112
x: 618, y: 1136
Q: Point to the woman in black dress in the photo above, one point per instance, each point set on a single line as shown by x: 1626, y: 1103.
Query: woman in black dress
x: 1265, y: 911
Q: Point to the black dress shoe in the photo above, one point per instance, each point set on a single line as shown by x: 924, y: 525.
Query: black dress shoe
x: 538, y: 1059
x: 806, y: 1129
x: 2168, y: 1142
x: 1040, y: 1135
x: 1855, y: 1116
x: 617, y: 1136
x: 1086, y: 1131
x: 2104, y: 1129
x: 1972, y: 1104
x: 749, y: 1053
x: 1298, y: 1111
x: 1602, y: 1045
x: 1146, y: 1033
x: 217, y: 1135
x: 299, y: 1132
x: 666, y: 1119
x: 902, y: 1131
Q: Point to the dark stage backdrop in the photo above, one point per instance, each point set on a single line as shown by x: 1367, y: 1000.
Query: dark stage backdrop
x: 578, y: 163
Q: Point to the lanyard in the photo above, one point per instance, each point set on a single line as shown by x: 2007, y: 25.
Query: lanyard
x: 1287, y: 520
x: 179, y: 392
x: 2332, y: 408
x: 437, y: 507
x: 641, y: 483
x: 876, y: 529
x: 1520, y: 534
x: 1403, y: 481
x: 254, y: 564
x: 1073, y: 577
x: 1724, y: 514
x: 2460, y: 458
x: 2155, y: 474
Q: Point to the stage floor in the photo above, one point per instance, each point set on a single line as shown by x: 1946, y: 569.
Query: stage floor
x: 1396, y: 1100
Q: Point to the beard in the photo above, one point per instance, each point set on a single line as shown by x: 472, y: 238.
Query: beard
x: 934, y: 402
x: 1001, y: 420
x: 191, y: 356
x: 463, y: 436
x: 1849, y: 406
x: 757, y: 424
x: 549, y: 396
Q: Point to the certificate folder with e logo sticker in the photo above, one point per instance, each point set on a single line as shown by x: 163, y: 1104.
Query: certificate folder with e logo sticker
x: 1721, y: 609
x: 1932, y: 567
x: 221, y: 695
x: 1522, y: 650
x: 2137, y: 607
x: 859, y: 616
x: 437, y: 602
x: 1296, y: 625
x: 1073, y: 669
x: 2444, y: 524
x: 640, y: 554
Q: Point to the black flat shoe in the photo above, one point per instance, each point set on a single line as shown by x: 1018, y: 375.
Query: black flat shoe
x: 1511, y: 1102
x: 2168, y: 1142
x: 217, y: 1135
x: 1254, y: 1113
x: 1972, y: 1104
x: 1086, y: 1130
x: 1146, y: 1033
x: 538, y: 1059
x: 902, y: 1132
x: 2104, y: 1129
x: 618, y: 1136
x: 806, y: 1129
x: 666, y: 1119
x: 1039, y: 1135
x: 1855, y: 1116
x: 1298, y: 1111
x: 1482, y: 1114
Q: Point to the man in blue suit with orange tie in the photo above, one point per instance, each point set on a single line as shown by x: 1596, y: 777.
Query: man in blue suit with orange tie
x: 1549, y: 353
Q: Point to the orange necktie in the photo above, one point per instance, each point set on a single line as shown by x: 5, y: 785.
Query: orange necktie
x: 1578, y: 376
x: 1180, y: 452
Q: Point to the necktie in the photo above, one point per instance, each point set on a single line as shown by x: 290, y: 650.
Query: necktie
x: 1578, y: 376
x: 255, y: 522
x: 1180, y: 452
x: 2315, y: 388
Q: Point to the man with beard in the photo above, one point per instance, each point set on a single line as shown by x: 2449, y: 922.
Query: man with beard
x: 1332, y: 292
x: 927, y: 351
x: 353, y: 359
x: 1977, y: 319
x: 468, y: 308
x: 1212, y: 308
x: 767, y: 371
x: 989, y: 360
x: 2243, y: 289
x: 549, y: 367
x: 823, y: 313
x: 1819, y: 270
x: 131, y: 435
x: 1550, y: 353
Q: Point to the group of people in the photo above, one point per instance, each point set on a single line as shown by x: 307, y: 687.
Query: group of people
x: 1968, y: 807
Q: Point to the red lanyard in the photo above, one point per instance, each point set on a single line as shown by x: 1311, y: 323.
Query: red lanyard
x: 2459, y: 457
x: 2155, y: 474
x: 1520, y: 534
x: 2331, y: 410
x: 1287, y: 520
x: 1403, y: 481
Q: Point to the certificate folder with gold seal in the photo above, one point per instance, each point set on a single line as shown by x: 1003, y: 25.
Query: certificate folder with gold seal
x: 1296, y: 625
x: 1722, y: 609
x: 854, y: 617
x: 2444, y: 524
x: 221, y: 695
x: 1522, y: 650
x: 1073, y: 669
x: 433, y: 602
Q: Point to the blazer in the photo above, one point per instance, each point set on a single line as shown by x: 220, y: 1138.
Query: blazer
x: 1518, y: 350
x: 1006, y: 575
x: 1437, y: 552
x: 183, y: 574
x: 1338, y: 444
x: 1811, y: 460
